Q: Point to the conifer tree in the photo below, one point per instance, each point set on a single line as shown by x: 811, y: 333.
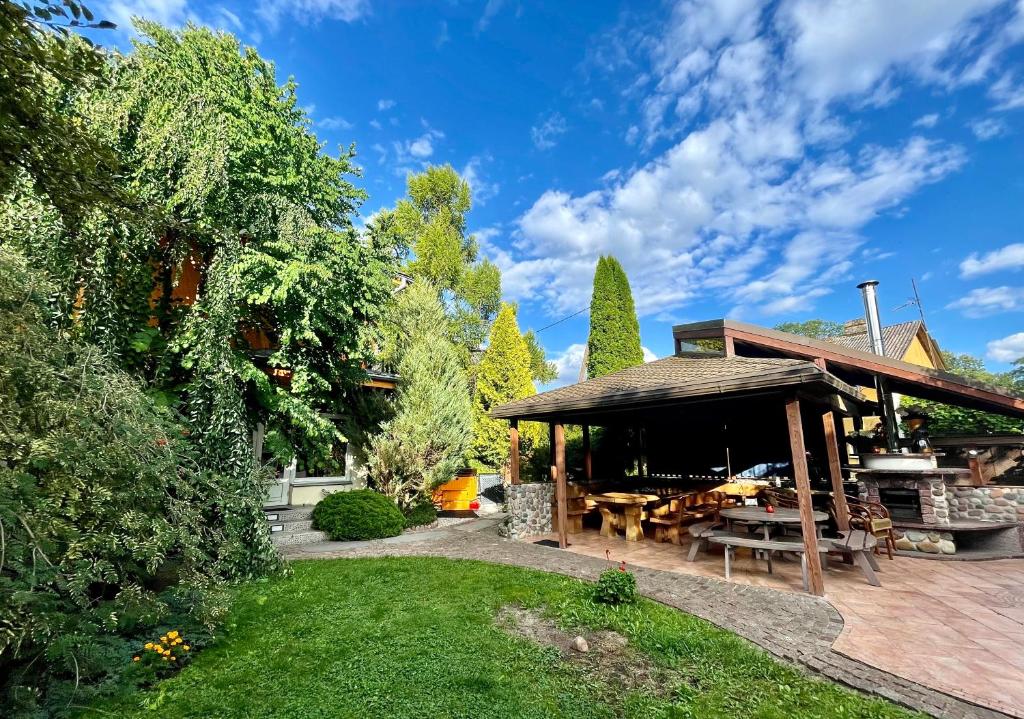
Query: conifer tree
x: 425, y: 443
x: 614, y: 341
x: 503, y: 375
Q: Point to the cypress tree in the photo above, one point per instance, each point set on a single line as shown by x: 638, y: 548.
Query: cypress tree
x: 503, y: 375
x: 614, y: 341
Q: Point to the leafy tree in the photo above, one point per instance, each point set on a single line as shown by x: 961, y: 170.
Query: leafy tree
x: 42, y: 67
x: 949, y: 419
x: 432, y: 222
x: 542, y: 370
x: 103, y: 499
x: 614, y: 341
x: 241, y: 198
x: 815, y: 329
x: 424, y: 444
x: 503, y: 375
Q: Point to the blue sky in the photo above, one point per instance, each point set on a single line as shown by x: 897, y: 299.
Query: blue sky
x: 741, y: 159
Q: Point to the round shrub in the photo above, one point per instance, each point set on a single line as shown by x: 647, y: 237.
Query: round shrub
x: 420, y: 514
x: 359, y: 514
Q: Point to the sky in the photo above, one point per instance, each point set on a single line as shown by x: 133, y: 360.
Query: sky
x: 741, y: 159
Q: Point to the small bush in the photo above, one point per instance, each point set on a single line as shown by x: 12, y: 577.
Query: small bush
x: 616, y: 586
x: 420, y: 514
x: 359, y: 514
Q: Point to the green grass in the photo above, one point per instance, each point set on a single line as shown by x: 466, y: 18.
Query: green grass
x: 390, y: 638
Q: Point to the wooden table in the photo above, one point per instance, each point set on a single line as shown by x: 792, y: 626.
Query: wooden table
x: 779, y: 516
x: 631, y: 504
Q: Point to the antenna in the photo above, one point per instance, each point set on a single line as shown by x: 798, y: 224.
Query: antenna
x: 914, y: 301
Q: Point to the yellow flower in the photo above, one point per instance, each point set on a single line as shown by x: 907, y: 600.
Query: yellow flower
x: 163, y: 639
x: 186, y: 647
x: 165, y: 659
x: 173, y: 633
x: 135, y: 659
x: 174, y: 659
x: 149, y: 645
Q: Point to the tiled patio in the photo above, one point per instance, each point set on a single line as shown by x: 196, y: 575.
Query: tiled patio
x: 954, y: 626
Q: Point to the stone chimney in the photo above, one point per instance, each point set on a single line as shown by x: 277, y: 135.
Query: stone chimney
x: 857, y: 326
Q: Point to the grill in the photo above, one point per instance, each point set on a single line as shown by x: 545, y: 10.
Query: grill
x: 901, y: 503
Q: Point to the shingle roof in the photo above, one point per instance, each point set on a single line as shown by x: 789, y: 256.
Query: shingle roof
x: 896, y: 338
x: 674, y: 378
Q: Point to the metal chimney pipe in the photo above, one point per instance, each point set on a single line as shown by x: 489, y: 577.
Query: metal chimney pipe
x: 874, y: 323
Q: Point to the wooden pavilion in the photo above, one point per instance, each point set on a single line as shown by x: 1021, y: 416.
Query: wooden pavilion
x: 690, y: 407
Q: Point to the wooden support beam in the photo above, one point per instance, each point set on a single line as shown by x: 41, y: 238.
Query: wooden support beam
x: 730, y: 346
x: 820, y: 362
x: 835, y: 469
x: 803, y: 493
x: 551, y: 446
x: 588, y: 462
x: 640, y: 452
x: 513, y: 453
x: 560, y: 485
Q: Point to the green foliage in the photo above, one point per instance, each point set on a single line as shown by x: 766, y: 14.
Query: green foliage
x: 614, y: 341
x: 615, y: 586
x: 418, y: 637
x: 432, y: 222
x: 949, y: 419
x: 357, y: 515
x: 111, y: 522
x: 233, y: 184
x: 815, y: 329
x: 420, y: 514
x: 542, y: 370
x: 42, y: 67
x: 424, y: 443
x: 503, y: 375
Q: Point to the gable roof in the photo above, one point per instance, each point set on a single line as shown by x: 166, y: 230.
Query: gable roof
x: 675, y: 379
x: 896, y: 338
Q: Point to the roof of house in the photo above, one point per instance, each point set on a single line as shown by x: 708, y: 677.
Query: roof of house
x: 674, y: 380
x: 896, y: 338
x: 857, y: 367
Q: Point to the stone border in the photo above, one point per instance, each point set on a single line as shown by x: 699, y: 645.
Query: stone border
x: 796, y: 628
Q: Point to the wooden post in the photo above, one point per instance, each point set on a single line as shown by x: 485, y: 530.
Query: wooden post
x: 551, y: 446
x: 640, y: 452
x: 803, y: 493
x: 835, y: 469
x: 560, y: 485
x: 513, y: 453
x: 588, y: 466
x: 730, y: 346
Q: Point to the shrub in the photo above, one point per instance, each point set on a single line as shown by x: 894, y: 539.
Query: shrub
x: 359, y: 514
x: 616, y: 586
x: 420, y: 514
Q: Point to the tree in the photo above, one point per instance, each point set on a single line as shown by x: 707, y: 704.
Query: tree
x: 503, y: 375
x: 239, y: 197
x: 43, y: 66
x: 542, y: 370
x: 614, y: 341
x: 432, y: 222
x: 950, y: 419
x: 815, y: 329
x: 425, y: 443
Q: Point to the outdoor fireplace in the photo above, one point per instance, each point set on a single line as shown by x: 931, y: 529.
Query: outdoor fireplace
x: 902, y: 503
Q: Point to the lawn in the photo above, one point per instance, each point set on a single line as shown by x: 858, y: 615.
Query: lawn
x: 418, y: 637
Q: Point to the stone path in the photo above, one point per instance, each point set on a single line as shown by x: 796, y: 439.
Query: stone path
x: 797, y: 628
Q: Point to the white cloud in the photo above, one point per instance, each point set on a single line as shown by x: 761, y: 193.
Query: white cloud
x: 422, y: 146
x: 490, y: 10
x: 762, y: 191
x: 1007, y: 349
x: 311, y: 11
x: 649, y: 356
x: 546, y: 133
x: 987, y: 301
x: 334, y: 123
x: 482, y: 189
x: 927, y: 121
x: 1010, y: 257
x: 410, y: 155
x: 987, y: 128
x: 385, y: 104
x: 442, y: 35
x: 1007, y: 92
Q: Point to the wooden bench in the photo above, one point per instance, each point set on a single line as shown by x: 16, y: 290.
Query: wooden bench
x: 769, y: 547
x: 683, y: 510
x: 700, y: 533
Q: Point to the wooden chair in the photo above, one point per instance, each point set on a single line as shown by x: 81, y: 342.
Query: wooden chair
x: 684, y: 510
x: 873, y: 518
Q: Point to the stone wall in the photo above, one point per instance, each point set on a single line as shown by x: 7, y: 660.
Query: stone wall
x: 931, y: 489
x: 529, y: 509
x: 986, y: 504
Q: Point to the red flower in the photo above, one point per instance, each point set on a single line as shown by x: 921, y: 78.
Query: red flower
x: 622, y: 566
x: 161, y: 442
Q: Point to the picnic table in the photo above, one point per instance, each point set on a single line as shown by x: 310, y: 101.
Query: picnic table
x: 782, y: 515
x: 623, y: 510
